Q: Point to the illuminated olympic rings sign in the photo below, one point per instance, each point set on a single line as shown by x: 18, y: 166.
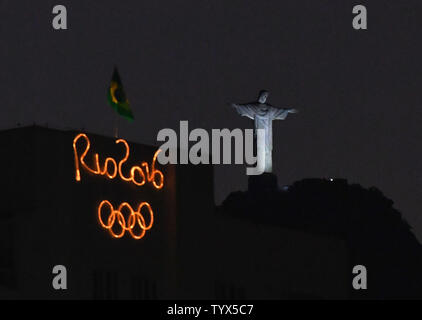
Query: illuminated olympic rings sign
x: 135, y: 220
x: 116, y: 223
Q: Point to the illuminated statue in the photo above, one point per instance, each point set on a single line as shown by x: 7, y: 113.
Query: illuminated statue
x: 264, y: 114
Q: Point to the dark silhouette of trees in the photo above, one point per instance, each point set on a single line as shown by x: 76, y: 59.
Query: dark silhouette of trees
x: 374, y: 232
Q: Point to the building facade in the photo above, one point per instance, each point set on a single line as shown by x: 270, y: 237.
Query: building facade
x: 126, y: 227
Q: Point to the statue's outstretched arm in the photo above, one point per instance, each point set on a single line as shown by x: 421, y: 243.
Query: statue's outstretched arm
x: 281, y: 114
x: 245, y: 110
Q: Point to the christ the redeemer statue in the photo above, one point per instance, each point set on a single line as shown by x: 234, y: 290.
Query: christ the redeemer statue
x: 264, y: 114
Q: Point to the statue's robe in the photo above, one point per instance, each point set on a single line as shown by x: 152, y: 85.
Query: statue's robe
x: 263, y: 115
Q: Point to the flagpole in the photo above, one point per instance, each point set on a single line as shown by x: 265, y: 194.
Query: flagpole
x: 116, y: 126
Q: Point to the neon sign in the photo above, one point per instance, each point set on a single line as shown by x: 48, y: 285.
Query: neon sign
x: 135, y: 223
x: 135, y: 218
x: 111, y: 168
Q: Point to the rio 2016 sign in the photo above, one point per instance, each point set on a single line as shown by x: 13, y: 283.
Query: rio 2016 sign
x: 135, y: 225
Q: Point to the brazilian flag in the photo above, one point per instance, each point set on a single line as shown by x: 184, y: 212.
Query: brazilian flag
x: 117, y: 97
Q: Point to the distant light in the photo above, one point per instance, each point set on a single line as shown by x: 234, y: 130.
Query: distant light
x: 285, y: 188
x: 331, y: 179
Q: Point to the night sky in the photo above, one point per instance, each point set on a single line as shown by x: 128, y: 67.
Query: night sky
x: 359, y: 92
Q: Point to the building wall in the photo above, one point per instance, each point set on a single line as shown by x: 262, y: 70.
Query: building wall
x: 50, y: 219
x: 54, y: 220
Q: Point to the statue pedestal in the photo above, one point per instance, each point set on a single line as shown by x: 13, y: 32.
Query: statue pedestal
x: 266, y: 182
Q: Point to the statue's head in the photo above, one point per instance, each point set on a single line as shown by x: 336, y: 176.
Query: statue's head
x: 263, y: 95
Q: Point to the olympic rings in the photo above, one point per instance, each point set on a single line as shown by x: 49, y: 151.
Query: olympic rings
x: 135, y: 218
